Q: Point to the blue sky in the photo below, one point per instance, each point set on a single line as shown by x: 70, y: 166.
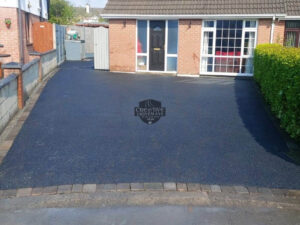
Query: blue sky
x: 93, y: 3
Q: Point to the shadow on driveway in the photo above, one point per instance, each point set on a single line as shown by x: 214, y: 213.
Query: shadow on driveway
x: 83, y: 130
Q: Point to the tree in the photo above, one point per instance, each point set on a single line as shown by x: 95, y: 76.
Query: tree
x: 62, y: 12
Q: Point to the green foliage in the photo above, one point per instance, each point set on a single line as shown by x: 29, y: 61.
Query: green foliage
x: 61, y: 12
x: 277, y: 71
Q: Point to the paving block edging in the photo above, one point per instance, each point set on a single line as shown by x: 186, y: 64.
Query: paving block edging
x: 147, y: 187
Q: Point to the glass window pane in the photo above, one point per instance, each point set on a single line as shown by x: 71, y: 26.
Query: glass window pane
x: 292, y: 24
x: 142, y: 36
x: 250, y: 24
x: 206, y: 64
x: 290, y: 40
x: 142, y: 62
x: 172, y: 36
x: 207, y: 43
x: 172, y: 64
x: 247, y: 65
x: 208, y: 23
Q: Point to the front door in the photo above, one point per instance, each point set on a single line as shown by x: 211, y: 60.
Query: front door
x: 157, y: 45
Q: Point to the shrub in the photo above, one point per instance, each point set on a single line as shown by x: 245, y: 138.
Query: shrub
x: 277, y: 71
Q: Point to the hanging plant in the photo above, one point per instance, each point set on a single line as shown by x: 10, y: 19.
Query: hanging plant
x: 8, y: 23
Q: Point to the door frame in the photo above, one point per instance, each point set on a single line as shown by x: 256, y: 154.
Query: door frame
x: 148, y: 48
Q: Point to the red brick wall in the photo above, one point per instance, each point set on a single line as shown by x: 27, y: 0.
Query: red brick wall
x: 279, y: 32
x: 264, y: 31
x: 189, y: 40
x: 9, y: 37
x: 122, y: 45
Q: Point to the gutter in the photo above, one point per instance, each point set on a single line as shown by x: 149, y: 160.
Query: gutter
x: 21, y: 45
x: 218, y: 16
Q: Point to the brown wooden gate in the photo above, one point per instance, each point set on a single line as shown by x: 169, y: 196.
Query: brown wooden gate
x: 42, y: 36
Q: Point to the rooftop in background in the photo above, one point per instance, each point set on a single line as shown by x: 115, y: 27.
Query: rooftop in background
x: 202, y: 7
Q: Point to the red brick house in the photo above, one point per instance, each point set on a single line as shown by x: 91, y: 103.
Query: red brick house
x: 195, y: 37
x: 31, y: 11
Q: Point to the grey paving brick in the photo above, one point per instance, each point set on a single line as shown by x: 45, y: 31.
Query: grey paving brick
x: 294, y: 193
x: 64, y: 189
x: 205, y: 187
x: 52, y: 190
x: 3, y: 153
x: 153, y: 186
x: 37, y: 191
x: 6, y: 145
x: 89, y: 188
x: 193, y: 187
x: 228, y: 189
x: 265, y: 191
x: 123, y: 187
x: 137, y: 186
x: 170, y: 186
x: 24, y: 192
x: 282, y: 192
x: 106, y: 187
x: 77, y: 188
x: 252, y: 190
x: 9, y: 193
x: 215, y: 188
x: 181, y: 187
x: 241, y: 190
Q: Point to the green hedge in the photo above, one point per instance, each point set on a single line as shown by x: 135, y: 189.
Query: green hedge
x: 277, y: 71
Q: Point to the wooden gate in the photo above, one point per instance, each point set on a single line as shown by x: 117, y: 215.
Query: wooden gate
x: 42, y: 36
x: 101, y: 49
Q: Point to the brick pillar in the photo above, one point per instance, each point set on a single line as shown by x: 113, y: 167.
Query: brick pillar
x: 40, y: 70
x: 264, y: 31
x: 279, y: 28
x: 189, y: 46
x: 20, y: 90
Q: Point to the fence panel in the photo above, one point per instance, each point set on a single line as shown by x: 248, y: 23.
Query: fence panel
x: 60, y: 43
x: 101, y: 49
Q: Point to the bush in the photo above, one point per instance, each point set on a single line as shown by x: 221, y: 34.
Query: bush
x: 277, y: 71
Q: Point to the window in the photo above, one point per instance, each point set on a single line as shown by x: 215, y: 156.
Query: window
x: 142, y: 45
x: 292, y: 34
x: 172, y: 45
x: 228, y: 46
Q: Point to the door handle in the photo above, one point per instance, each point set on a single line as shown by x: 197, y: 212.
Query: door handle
x: 156, y: 49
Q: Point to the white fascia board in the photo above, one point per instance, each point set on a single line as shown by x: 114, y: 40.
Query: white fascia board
x: 170, y: 17
x: 291, y: 18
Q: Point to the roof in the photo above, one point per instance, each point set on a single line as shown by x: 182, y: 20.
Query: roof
x: 202, y: 7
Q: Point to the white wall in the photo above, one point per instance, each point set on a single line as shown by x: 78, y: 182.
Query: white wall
x: 34, y: 9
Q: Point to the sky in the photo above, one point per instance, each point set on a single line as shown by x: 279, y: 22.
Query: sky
x: 93, y: 3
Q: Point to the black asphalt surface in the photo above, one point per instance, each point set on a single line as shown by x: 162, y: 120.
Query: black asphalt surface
x: 83, y: 130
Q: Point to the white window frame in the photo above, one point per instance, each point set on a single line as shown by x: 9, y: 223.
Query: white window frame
x: 241, y: 57
x: 148, y: 48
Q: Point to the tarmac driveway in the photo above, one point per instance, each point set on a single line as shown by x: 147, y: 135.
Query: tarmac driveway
x: 83, y: 130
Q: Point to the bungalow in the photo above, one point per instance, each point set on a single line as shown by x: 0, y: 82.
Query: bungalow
x: 192, y: 37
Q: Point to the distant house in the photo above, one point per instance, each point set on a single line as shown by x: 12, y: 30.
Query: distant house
x: 193, y: 37
x: 31, y: 11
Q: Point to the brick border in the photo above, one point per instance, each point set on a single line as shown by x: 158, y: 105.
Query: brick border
x: 150, y: 187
